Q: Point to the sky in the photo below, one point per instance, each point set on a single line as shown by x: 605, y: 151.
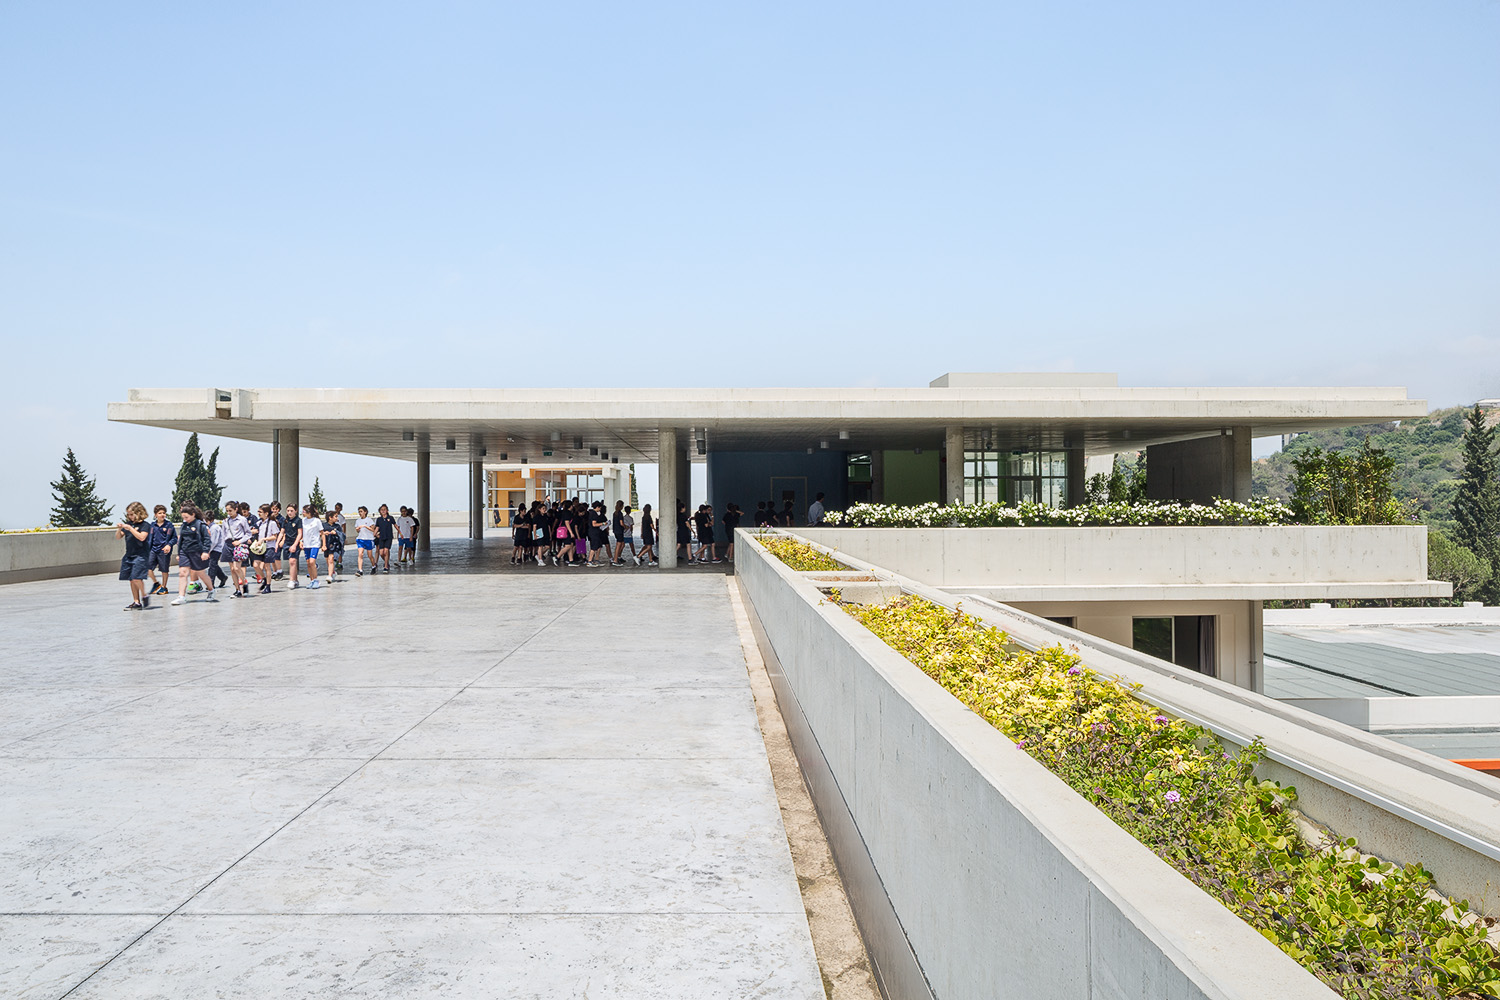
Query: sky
x: 592, y: 194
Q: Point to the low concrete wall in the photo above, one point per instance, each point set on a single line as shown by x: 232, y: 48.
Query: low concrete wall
x: 1161, y: 563
x: 47, y: 555
x: 1006, y: 883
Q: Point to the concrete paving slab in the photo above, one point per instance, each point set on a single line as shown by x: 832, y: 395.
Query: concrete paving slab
x: 544, y: 784
x: 489, y: 957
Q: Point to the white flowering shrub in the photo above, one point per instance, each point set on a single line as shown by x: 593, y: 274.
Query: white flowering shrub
x: 1036, y: 515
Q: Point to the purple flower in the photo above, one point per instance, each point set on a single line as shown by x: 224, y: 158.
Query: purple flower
x: 1173, y: 796
x: 1074, y: 671
x: 1020, y: 744
x: 1160, y: 720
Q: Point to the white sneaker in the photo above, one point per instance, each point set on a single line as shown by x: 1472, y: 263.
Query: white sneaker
x: 179, y: 600
x: 316, y: 585
x: 292, y: 586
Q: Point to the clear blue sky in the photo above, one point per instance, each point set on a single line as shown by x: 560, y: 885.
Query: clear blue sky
x: 686, y: 194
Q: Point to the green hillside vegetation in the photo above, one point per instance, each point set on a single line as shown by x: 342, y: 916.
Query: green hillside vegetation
x: 1428, y: 457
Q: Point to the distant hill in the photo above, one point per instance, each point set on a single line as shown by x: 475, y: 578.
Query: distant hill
x: 1428, y: 454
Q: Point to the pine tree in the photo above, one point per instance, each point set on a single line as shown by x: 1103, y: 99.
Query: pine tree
x: 192, y: 484
x: 1476, y: 506
x: 316, y: 497
x: 78, y: 506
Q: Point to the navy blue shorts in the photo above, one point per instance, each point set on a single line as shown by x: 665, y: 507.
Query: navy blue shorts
x: 133, y: 568
x: 159, y: 560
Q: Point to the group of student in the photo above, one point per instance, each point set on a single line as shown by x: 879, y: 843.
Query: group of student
x: 258, y: 545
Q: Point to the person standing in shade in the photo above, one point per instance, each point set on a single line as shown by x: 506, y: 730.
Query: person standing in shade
x: 703, y: 522
x: 684, y: 535
x: 364, y: 541
x: 416, y: 531
x: 137, y: 535
x: 192, y: 556
x: 385, y: 530
x: 760, y: 514
x: 815, y: 512
x: 787, y: 516
x: 648, y: 537
x: 732, y: 516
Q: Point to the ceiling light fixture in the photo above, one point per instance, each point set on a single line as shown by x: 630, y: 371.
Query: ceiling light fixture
x: 450, y: 444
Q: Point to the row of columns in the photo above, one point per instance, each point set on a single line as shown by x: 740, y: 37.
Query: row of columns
x: 286, y: 469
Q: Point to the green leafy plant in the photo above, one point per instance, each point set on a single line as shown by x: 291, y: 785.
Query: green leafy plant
x: 799, y: 555
x: 1337, y: 487
x: 1037, y: 515
x: 1369, y: 929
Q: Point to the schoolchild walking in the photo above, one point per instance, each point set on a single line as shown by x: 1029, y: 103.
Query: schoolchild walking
x: 137, y: 535
x: 312, y: 538
x: 364, y: 541
x: 269, y: 536
x: 237, y: 535
x: 215, y: 549
x: 163, y: 541
x: 333, y: 548
x: 291, y: 542
x: 192, y: 558
x: 648, y: 537
x: 732, y: 518
x: 405, y: 551
x: 385, y: 529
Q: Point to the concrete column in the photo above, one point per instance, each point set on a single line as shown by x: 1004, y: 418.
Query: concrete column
x: 1257, y: 645
x: 288, y: 464
x: 530, y: 482
x: 877, y: 476
x: 684, y: 476
x: 1201, y: 469
x: 476, y: 501
x: 667, y: 471
x: 424, y: 499
x: 1077, y: 465
x: 953, y: 486
x: 611, y: 489
x: 1240, y: 463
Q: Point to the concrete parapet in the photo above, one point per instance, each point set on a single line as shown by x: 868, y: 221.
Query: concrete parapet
x: 1003, y: 881
x: 48, y: 555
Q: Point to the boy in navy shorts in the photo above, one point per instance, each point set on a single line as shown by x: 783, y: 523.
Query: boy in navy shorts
x: 163, y: 541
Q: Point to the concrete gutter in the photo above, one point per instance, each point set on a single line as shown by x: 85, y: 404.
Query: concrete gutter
x: 1006, y: 883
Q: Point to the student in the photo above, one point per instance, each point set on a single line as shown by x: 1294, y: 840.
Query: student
x: 192, y: 557
x: 815, y: 512
x: 598, y: 534
x: 787, y: 515
x: 581, y: 520
x: 624, y: 529
x: 163, y: 541
x: 291, y: 542
x: 684, y: 536
x: 405, y: 550
x: 269, y: 535
x: 133, y: 565
x: 215, y: 549
x: 364, y: 540
x: 760, y: 514
x: 416, y: 531
x: 562, y: 534
x: 732, y: 516
x: 237, y: 535
x: 704, y: 521
x: 333, y: 548
x: 520, y: 536
x: 648, y: 537
x: 339, y: 522
x: 385, y: 529
x: 312, y: 537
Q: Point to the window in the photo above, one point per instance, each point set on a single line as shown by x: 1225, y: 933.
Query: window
x: 1186, y: 640
x: 860, y: 477
x: 1016, y: 476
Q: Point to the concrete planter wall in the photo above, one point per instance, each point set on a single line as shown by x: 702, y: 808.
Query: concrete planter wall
x: 1005, y: 883
x: 46, y: 555
x: 1158, y: 563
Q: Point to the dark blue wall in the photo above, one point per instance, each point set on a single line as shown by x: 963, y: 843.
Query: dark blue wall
x: 744, y: 477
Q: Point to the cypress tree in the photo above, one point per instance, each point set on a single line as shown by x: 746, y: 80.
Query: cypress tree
x: 1476, y: 505
x: 213, y: 490
x: 192, y: 478
x: 316, y: 497
x: 78, y: 506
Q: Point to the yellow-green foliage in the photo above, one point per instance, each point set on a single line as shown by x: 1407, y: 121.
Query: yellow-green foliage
x: 1366, y: 928
x: 801, y: 556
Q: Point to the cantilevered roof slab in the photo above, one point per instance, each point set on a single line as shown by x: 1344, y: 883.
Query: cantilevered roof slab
x: 1100, y: 418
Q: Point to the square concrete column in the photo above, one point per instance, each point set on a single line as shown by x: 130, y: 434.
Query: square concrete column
x: 953, y: 484
x: 684, y: 477
x: 476, y: 501
x: 1077, y: 464
x: 1257, y: 645
x: 424, y: 499
x: 667, y: 471
x: 530, y: 482
x: 1201, y: 470
x: 877, y: 476
x: 288, y: 465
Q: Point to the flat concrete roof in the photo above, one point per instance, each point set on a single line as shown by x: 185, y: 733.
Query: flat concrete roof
x: 1096, y: 416
x: 451, y: 781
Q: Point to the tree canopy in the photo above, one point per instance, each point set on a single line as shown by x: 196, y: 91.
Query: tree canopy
x: 78, y: 503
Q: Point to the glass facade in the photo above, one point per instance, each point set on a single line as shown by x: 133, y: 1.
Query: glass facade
x: 1013, y: 476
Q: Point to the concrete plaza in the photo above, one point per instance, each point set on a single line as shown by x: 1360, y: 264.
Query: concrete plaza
x: 546, y: 783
